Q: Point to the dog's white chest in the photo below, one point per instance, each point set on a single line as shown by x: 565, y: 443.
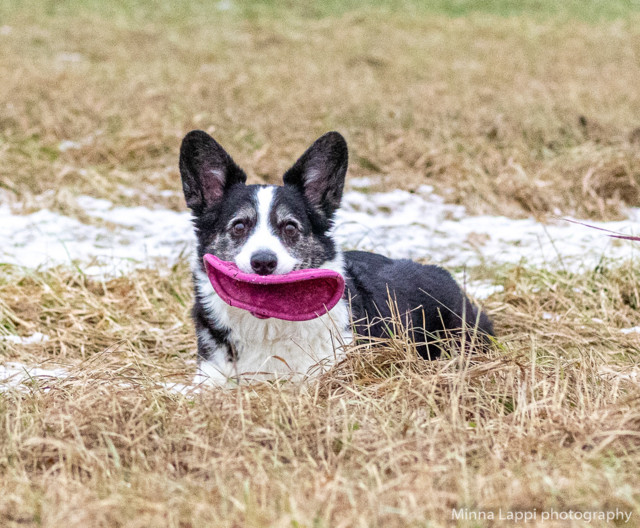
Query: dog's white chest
x: 271, y: 348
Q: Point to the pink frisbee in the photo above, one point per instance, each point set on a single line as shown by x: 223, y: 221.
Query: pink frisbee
x: 300, y: 295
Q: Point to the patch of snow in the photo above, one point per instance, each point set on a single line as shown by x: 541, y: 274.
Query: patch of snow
x: 5, y: 30
x: 141, y: 237
x: 67, y: 144
x: 421, y: 225
x: 361, y: 183
x: 14, y: 375
x: 94, y: 206
x: 483, y: 289
x: 36, y: 337
x: 398, y: 224
x: 631, y: 374
x: 70, y: 57
x: 632, y: 330
x: 129, y: 192
x: 181, y: 388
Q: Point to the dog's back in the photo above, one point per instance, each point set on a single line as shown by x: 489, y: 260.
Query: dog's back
x: 426, y: 298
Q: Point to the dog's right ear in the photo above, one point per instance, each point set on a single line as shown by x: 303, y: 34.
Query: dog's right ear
x: 319, y: 173
x: 207, y: 171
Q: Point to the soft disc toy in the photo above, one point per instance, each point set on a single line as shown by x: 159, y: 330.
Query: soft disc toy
x: 300, y: 295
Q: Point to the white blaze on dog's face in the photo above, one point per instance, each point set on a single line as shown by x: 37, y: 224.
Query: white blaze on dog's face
x: 264, y: 229
x: 263, y: 251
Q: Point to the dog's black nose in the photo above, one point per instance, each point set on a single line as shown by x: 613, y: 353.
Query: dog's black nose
x: 264, y: 262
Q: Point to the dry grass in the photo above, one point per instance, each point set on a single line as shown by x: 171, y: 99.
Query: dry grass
x: 515, y: 115
x: 544, y: 420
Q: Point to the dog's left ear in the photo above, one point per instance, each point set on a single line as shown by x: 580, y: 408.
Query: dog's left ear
x: 319, y: 173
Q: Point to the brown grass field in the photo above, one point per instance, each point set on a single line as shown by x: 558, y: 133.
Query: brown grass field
x: 510, y: 108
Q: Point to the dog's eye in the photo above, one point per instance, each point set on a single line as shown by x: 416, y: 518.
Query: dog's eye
x: 290, y: 229
x: 239, y: 227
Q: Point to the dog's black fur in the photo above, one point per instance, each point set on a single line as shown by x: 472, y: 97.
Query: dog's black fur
x: 427, y: 298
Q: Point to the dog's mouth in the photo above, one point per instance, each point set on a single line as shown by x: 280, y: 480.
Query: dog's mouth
x: 300, y: 295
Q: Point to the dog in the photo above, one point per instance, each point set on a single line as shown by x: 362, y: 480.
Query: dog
x: 268, y: 229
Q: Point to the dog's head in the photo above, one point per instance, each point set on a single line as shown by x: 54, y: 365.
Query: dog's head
x: 264, y: 228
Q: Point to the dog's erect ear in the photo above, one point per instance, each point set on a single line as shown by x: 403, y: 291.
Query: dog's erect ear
x: 206, y: 170
x: 320, y: 172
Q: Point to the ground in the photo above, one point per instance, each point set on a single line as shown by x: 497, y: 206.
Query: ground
x: 525, y: 110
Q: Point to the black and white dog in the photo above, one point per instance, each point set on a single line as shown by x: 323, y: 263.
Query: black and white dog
x: 268, y: 229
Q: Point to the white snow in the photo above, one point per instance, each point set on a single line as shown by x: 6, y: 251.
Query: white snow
x: 481, y: 289
x: 19, y: 376
x: 632, y: 330
x: 362, y: 182
x: 16, y: 375
x: 224, y: 5
x: 419, y: 225
x: 67, y: 144
x: 70, y: 57
x: 396, y: 223
x: 36, y: 337
x: 631, y: 374
x: 134, y: 237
